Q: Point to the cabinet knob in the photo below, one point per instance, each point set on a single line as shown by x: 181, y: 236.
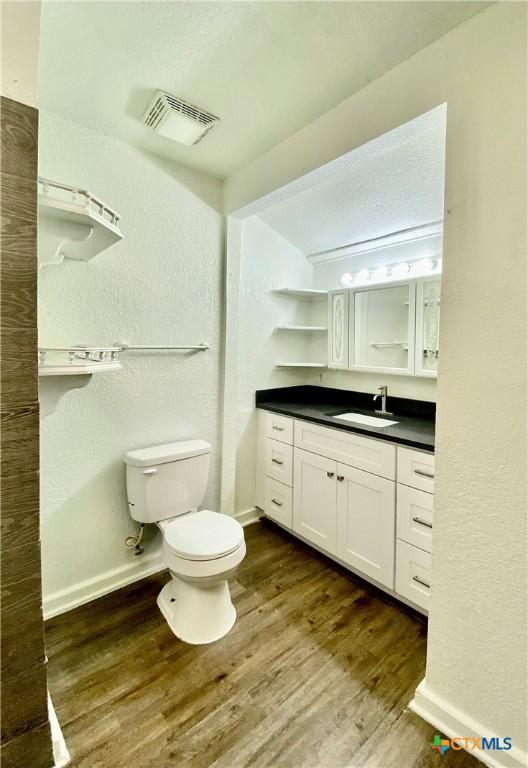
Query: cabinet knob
x: 330, y: 474
x: 340, y: 478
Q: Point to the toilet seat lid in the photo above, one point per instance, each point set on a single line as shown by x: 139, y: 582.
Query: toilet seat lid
x: 203, y: 535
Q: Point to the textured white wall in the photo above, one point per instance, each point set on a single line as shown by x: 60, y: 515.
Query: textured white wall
x: 20, y: 27
x: 478, y: 634
x: 267, y: 262
x: 392, y: 183
x: 412, y: 387
x: 160, y: 284
x: 477, y: 649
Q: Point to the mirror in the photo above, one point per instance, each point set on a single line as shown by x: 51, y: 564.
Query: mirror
x: 382, y: 329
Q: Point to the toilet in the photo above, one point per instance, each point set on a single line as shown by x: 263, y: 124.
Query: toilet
x: 166, y: 485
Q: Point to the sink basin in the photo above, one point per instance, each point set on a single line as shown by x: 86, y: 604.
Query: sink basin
x: 369, y: 421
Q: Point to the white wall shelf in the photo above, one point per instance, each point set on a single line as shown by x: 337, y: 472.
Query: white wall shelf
x: 64, y: 368
x: 301, y: 329
x: 302, y: 293
x: 300, y: 365
x: 73, y: 224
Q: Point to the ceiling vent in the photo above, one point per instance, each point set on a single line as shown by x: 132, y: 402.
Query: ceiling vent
x: 178, y: 120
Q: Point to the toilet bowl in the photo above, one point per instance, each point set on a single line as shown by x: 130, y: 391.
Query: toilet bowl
x: 201, y: 548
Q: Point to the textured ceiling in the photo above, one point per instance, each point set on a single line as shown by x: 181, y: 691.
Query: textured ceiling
x: 265, y: 68
x: 392, y: 183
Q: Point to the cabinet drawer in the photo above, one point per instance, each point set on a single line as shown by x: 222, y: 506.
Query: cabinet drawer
x: 416, y: 469
x: 278, y: 502
x: 278, y: 461
x: 413, y: 574
x: 278, y: 427
x: 415, y: 517
x: 373, y: 456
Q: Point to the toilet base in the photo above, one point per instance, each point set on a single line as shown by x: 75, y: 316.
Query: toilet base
x: 197, y: 614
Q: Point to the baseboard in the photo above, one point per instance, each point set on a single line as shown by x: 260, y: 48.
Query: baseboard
x: 66, y: 599
x: 248, y: 516
x: 453, y: 722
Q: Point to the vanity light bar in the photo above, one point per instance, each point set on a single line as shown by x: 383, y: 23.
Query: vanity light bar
x: 388, y: 274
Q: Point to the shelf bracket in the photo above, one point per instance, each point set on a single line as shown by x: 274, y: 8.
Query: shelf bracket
x: 54, y: 238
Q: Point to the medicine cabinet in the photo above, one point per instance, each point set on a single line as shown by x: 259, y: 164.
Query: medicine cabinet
x: 390, y: 328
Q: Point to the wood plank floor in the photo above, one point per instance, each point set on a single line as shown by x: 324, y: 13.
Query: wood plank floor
x: 316, y: 673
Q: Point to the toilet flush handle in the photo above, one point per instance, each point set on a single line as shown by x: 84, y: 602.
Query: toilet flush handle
x: 151, y: 471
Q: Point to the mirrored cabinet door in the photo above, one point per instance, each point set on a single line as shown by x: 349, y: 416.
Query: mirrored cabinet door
x: 427, y: 325
x: 384, y: 329
x: 338, y: 329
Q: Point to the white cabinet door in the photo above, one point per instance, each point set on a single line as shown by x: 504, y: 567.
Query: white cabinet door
x: 427, y: 325
x: 384, y: 328
x: 338, y: 329
x: 314, y: 499
x: 366, y: 523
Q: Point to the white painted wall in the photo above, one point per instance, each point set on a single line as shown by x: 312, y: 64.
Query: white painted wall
x: 267, y: 262
x: 161, y: 284
x: 477, y: 643
x: 477, y: 649
x: 20, y: 27
x: 412, y: 387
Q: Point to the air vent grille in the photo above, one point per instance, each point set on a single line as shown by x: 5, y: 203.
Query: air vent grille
x: 193, y: 112
x: 155, y: 113
x: 163, y: 105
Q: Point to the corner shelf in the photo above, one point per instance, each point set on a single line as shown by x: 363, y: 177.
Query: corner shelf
x: 73, y: 223
x: 64, y: 368
x: 301, y: 293
x: 301, y: 329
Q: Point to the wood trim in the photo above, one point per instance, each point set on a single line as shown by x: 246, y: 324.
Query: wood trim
x: 25, y: 730
x: 454, y: 723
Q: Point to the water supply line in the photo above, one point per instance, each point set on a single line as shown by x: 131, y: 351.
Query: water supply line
x: 133, y: 542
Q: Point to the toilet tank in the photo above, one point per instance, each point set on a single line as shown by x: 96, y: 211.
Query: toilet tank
x: 166, y: 480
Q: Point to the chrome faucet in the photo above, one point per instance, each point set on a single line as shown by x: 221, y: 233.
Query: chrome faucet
x: 383, y: 395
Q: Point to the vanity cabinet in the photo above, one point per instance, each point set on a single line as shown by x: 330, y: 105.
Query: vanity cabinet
x: 367, y: 503
x: 389, y: 328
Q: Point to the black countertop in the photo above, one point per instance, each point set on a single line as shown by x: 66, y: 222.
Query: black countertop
x: 416, y: 418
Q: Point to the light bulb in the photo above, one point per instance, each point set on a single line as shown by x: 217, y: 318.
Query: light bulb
x: 362, y: 276
x: 380, y: 274
x: 346, y: 280
x: 400, y: 271
x: 423, y: 266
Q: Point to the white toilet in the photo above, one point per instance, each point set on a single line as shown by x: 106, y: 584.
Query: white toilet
x: 166, y: 485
